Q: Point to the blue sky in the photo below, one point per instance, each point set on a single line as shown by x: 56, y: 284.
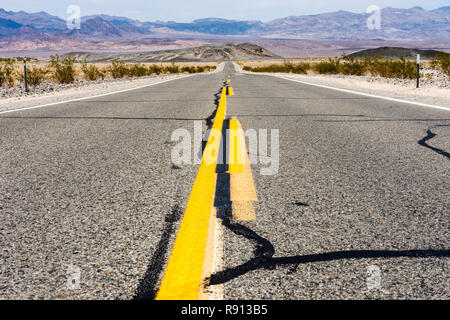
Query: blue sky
x: 188, y: 10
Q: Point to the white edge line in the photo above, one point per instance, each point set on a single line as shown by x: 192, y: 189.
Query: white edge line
x: 217, y: 291
x: 98, y: 95
x: 360, y: 93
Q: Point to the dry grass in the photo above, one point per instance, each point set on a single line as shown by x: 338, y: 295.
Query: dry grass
x: 36, y: 75
x: 287, y: 67
x: 63, y: 70
x: 91, y: 72
x: 442, y: 63
x: 67, y: 70
x: 7, y: 74
x: 402, y: 68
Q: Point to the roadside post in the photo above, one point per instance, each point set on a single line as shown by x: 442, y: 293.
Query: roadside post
x: 418, y: 70
x: 25, y: 74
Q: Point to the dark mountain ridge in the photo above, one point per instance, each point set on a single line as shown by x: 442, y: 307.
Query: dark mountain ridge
x: 397, y: 53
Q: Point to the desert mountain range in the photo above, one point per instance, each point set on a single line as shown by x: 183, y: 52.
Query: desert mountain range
x: 210, y: 52
x: 414, y: 23
x: 330, y: 34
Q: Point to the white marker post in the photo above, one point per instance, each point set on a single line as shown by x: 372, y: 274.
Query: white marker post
x: 418, y: 70
x: 25, y: 73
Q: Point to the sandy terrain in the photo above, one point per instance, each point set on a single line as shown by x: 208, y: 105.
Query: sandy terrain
x: 430, y: 92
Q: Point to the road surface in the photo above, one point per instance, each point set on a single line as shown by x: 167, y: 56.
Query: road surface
x: 358, y: 207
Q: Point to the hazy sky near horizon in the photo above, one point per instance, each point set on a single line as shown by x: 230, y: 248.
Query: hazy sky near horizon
x: 188, y: 10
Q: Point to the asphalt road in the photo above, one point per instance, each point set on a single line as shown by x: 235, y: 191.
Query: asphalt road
x: 358, y: 209
x: 356, y: 185
x: 91, y: 184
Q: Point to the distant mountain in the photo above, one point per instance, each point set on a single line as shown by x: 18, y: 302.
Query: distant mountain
x: 444, y: 11
x: 9, y: 24
x: 211, y: 52
x: 397, y: 52
x: 41, y: 21
x: 95, y: 27
x: 12, y: 29
x: 414, y: 23
x: 125, y: 25
x: 215, y: 26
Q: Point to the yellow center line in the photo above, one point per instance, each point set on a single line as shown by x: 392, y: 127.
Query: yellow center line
x: 242, y: 187
x: 183, y: 277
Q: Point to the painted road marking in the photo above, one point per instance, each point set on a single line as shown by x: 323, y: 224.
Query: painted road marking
x: 236, y: 148
x: 242, y: 187
x: 183, y: 277
x: 213, y: 259
x: 362, y: 94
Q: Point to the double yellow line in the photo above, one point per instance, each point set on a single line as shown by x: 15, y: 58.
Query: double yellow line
x: 186, y: 270
x: 242, y: 188
x: 183, y: 276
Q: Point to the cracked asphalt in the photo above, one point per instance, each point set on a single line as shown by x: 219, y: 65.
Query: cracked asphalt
x: 358, y: 209
x: 91, y: 184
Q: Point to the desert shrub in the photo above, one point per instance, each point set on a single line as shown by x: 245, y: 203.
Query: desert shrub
x: 402, y: 68
x: 442, y: 63
x: 137, y: 70
x: 64, y: 71
x: 7, y: 73
x: 352, y: 66
x: 16, y: 59
x: 200, y: 69
x: 36, y: 75
x: 301, y: 68
x: 286, y: 67
x: 332, y: 66
x: 20, y: 59
x: 172, y: 68
x: 91, y: 72
x: 189, y: 69
x: 154, y: 69
x: 118, y: 70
